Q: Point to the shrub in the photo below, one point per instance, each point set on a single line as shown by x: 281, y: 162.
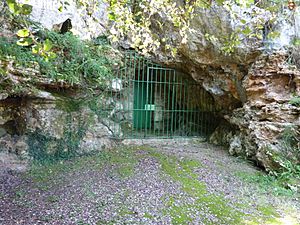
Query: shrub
x: 77, y: 62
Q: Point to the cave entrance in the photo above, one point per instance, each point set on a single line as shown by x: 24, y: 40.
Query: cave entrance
x: 147, y: 100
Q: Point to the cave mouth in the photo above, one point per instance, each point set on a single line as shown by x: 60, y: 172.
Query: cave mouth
x: 148, y: 100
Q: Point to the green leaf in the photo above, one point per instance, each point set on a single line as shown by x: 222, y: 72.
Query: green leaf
x: 60, y: 8
x: 23, y: 33
x: 273, y: 34
x: 52, y: 55
x: 26, y: 9
x: 220, y: 2
x: 112, y: 16
x: 13, y: 6
x: 35, y: 49
x: 25, y: 42
x: 243, y: 21
x: 246, y: 31
x: 260, y: 27
x: 47, y: 45
x: 259, y: 36
x: 296, y: 42
x: 16, y: 8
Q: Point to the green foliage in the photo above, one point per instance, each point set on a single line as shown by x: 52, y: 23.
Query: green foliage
x: 295, y: 101
x: 288, y: 158
x: 64, y: 58
x: 26, y: 36
x: 10, y: 51
x: 266, y: 183
x: 290, y: 141
x: 18, y: 8
x: 296, y: 42
x: 136, y: 19
x: 78, y: 62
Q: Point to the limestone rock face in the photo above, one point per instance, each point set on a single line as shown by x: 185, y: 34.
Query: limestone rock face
x: 252, y: 86
x: 202, y: 57
x: 261, y: 122
x: 44, y: 125
x: 86, y: 22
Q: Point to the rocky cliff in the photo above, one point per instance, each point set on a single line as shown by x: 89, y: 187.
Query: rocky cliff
x: 254, y: 85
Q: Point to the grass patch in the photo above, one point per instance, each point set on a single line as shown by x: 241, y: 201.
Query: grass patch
x: 266, y: 183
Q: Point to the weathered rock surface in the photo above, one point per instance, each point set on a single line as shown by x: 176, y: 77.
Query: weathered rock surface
x: 252, y: 86
x: 87, y: 22
x: 222, y: 74
x: 44, y: 125
x: 260, y: 123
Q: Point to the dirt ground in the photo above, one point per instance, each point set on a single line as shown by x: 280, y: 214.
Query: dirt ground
x: 144, y: 182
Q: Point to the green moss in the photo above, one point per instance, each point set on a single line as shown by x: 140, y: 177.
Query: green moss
x: 181, y: 212
x: 68, y: 104
x: 44, y: 148
x: 268, y: 211
x: 124, y: 160
x: 182, y: 171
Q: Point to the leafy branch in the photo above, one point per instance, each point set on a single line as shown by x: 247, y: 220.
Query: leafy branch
x: 25, y: 35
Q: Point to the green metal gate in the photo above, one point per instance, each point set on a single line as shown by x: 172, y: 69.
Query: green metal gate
x: 147, y: 100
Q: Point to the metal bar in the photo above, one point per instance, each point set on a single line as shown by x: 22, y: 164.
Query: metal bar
x: 139, y: 91
x: 202, y: 114
x: 179, y: 103
x: 175, y: 92
x: 173, y: 102
x: 133, y: 77
x: 147, y: 100
x: 168, y: 122
x: 159, y: 101
x: 155, y: 103
x: 194, y: 115
x: 198, y: 115
x: 165, y: 104
x: 188, y: 105
x: 151, y: 102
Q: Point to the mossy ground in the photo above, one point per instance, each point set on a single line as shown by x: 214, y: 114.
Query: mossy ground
x: 123, y: 160
x: 123, y: 163
x: 182, y: 171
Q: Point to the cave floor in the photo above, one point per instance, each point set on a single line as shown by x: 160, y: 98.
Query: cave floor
x: 151, y: 182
